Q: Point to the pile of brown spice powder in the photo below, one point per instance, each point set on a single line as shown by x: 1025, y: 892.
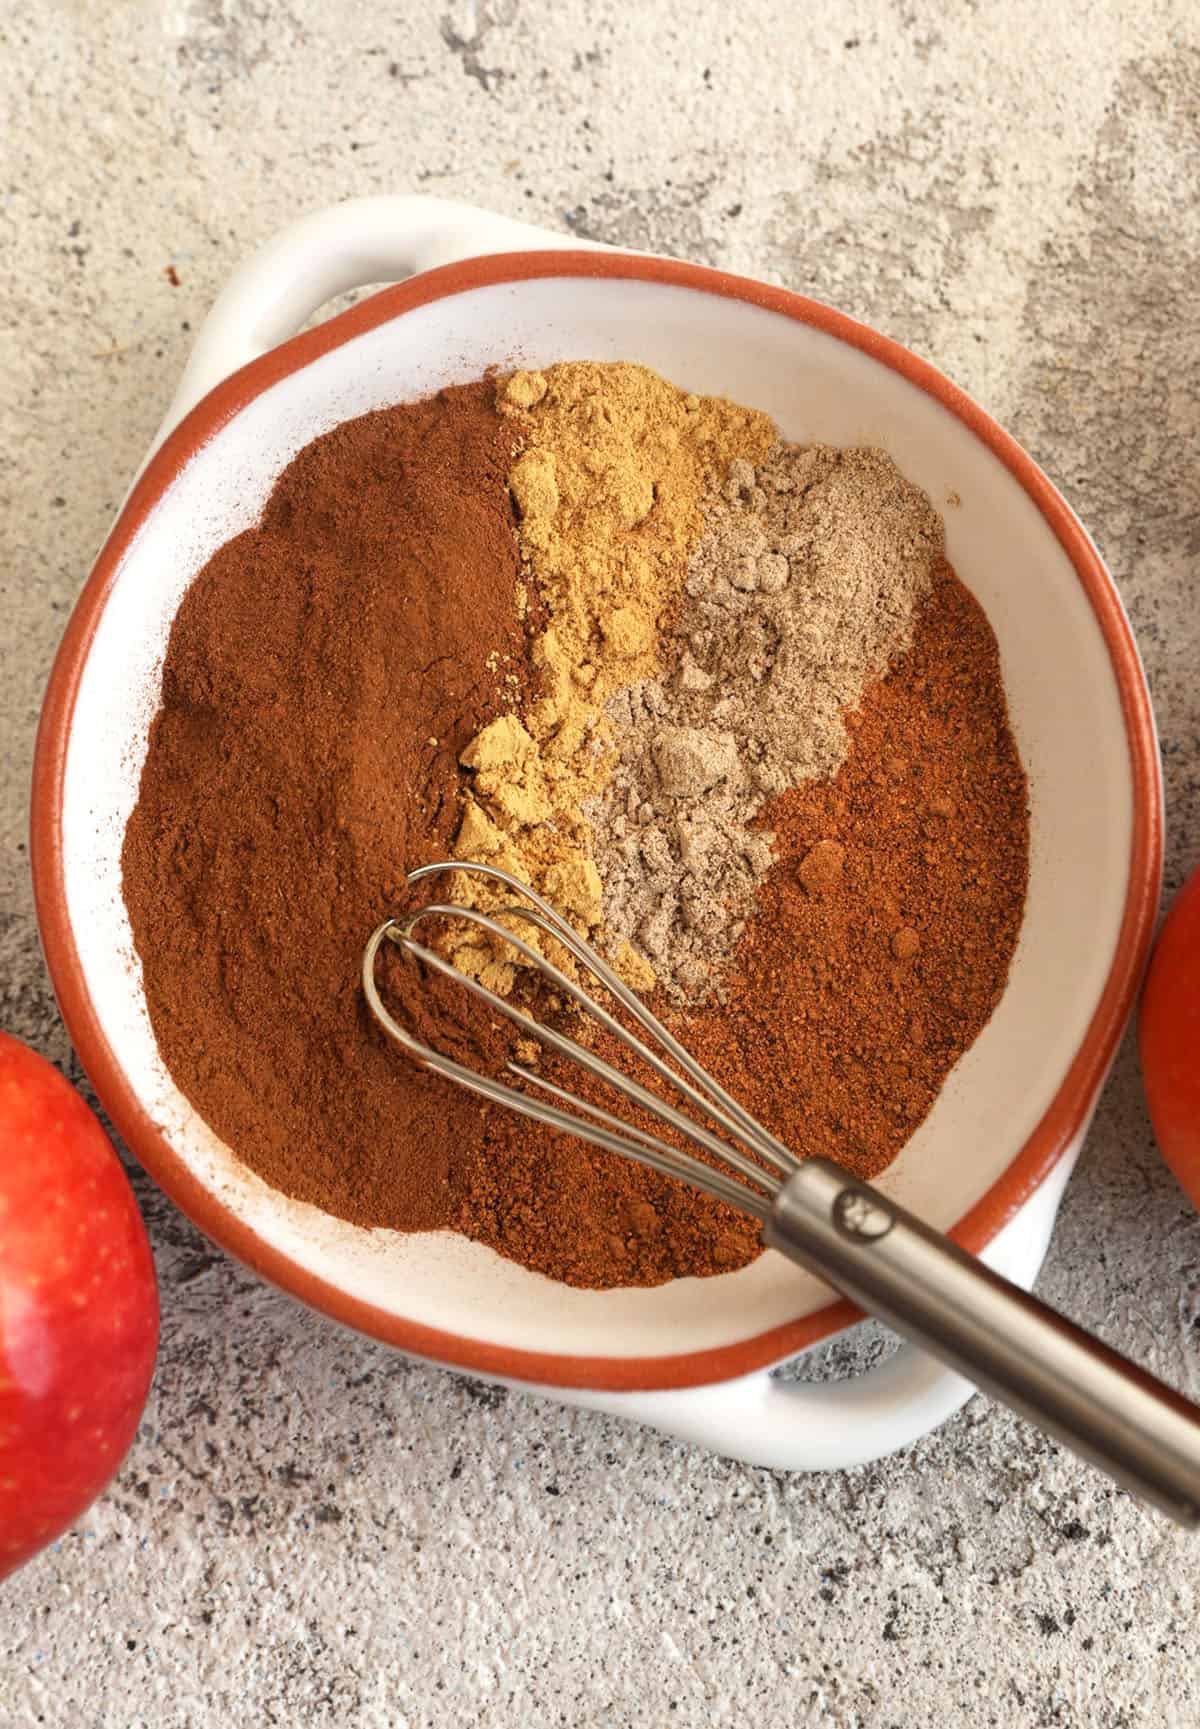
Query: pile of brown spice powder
x: 322, y: 676
x: 325, y: 673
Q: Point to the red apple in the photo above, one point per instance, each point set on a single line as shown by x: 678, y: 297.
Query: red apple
x: 78, y: 1306
x: 1169, y: 1037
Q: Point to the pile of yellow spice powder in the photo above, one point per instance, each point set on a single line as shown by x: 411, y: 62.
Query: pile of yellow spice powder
x: 610, y: 487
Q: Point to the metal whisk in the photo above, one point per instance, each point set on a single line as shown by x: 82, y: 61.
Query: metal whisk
x: 880, y: 1256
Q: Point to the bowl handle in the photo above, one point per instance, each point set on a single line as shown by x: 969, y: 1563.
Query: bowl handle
x: 821, y: 1426
x: 328, y: 252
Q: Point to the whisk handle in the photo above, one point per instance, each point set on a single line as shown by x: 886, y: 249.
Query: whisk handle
x: 1103, y: 1407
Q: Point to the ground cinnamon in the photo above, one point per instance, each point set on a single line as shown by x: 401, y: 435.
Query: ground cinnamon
x: 324, y: 673
x: 322, y: 676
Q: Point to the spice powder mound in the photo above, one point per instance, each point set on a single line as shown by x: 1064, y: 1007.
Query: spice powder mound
x: 326, y: 673
x: 323, y: 674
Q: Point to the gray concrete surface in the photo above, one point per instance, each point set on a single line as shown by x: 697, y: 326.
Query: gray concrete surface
x: 311, y: 1531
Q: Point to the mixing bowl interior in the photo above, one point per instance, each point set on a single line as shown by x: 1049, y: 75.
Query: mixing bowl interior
x: 1058, y: 671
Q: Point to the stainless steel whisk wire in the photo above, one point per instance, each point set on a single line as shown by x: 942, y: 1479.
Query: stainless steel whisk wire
x: 845, y: 1230
x: 604, y: 1130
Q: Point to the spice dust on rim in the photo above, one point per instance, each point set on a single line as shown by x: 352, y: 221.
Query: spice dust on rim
x: 1068, y: 1110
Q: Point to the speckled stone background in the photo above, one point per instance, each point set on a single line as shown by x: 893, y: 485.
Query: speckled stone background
x: 311, y: 1531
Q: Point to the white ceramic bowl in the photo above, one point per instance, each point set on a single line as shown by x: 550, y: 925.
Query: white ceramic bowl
x: 990, y: 1161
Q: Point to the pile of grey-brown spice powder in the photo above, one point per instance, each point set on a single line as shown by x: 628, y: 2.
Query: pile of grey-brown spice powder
x: 801, y: 592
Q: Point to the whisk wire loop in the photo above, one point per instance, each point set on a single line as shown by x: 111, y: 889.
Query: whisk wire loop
x: 539, y: 912
x: 670, y: 1159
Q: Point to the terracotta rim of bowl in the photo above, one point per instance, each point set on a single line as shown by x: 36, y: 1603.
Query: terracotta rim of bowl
x: 1068, y: 1111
